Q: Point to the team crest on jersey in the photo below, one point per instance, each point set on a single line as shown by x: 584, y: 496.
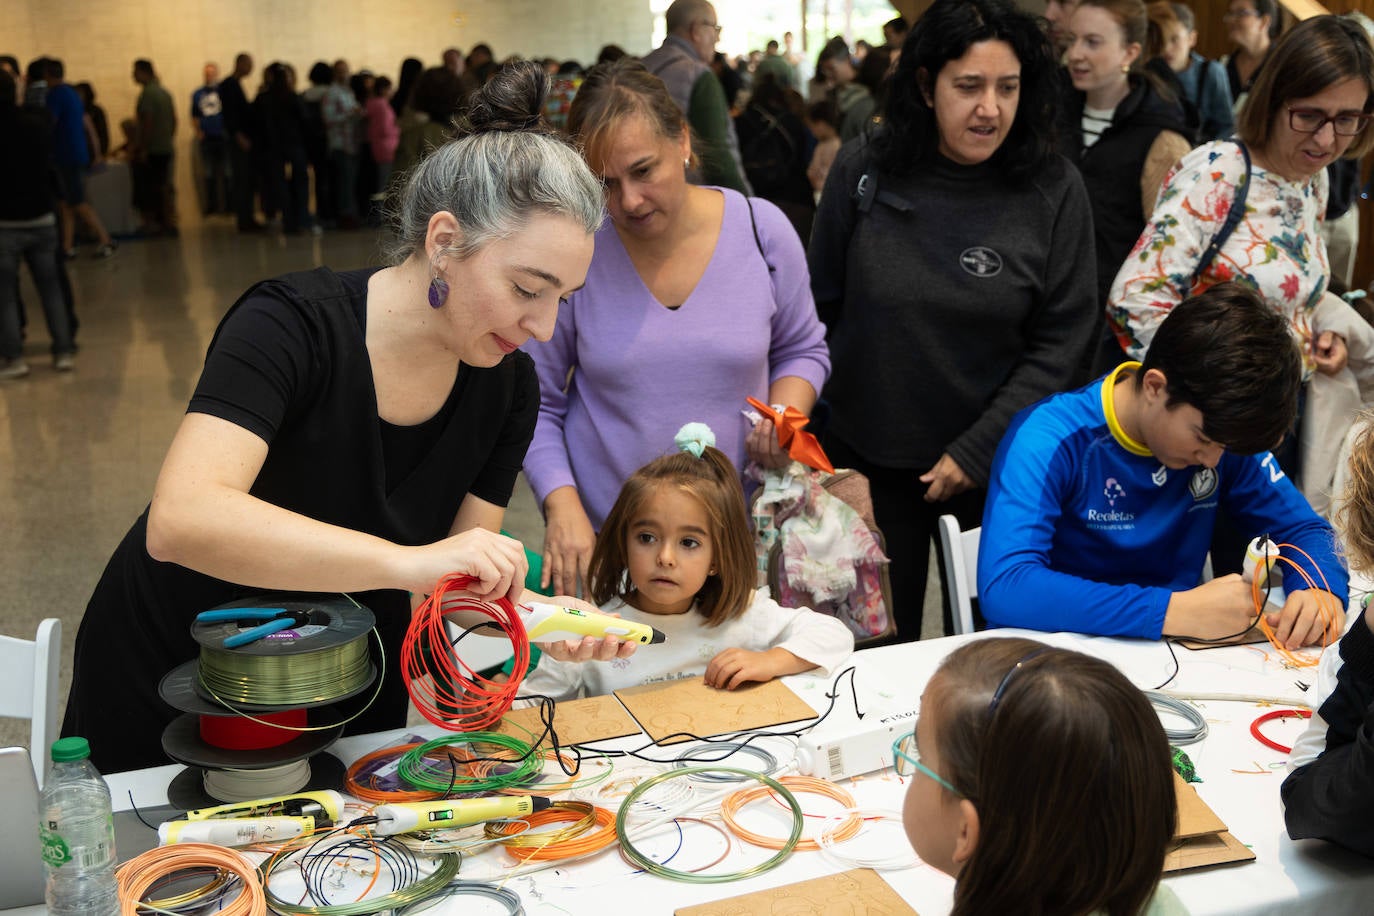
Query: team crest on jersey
x: 981, y: 261
x: 1113, y: 490
x: 1203, y: 484
x: 1160, y: 476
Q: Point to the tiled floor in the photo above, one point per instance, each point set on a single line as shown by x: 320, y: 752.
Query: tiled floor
x: 79, y: 451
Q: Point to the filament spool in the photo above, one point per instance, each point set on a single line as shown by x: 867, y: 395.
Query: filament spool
x: 322, y: 661
x: 190, y: 788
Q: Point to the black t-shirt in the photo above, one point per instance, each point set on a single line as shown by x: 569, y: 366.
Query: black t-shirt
x: 289, y: 363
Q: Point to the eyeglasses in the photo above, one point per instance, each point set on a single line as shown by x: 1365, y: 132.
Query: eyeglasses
x: 1311, y: 120
x: 711, y: 25
x: 906, y: 759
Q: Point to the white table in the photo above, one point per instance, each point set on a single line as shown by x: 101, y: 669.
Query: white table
x: 1287, y: 877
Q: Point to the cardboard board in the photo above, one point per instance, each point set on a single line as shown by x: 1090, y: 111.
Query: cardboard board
x: 1195, y: 819
x: 1212, y: 849
x: 859, y: 890
x: 690, y: 706
x: 1200, y: 838
x: 576, y: 721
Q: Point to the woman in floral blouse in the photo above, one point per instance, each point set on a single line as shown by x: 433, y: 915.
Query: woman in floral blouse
x: 1309, y: 106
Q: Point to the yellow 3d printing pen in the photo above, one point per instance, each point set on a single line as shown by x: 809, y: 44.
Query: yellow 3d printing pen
x: 550, y: 623
x: 235, y: 832
x: 324, y: 806
x: 445, y: 814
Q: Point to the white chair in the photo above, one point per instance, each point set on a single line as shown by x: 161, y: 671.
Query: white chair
x: 959, y: 565
x: 28, y: 687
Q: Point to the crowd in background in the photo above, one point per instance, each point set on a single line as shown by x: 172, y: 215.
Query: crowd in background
x: 1127, y: 98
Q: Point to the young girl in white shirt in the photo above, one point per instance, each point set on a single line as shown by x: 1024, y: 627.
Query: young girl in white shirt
x: 676, y: 553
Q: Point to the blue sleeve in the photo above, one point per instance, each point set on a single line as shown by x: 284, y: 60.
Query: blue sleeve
x: 1260, y: 497
x: 1217, y: 119
x: 1032, y: 479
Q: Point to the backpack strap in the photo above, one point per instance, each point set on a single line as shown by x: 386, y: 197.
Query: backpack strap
x: 1233, y: 218
x: 758, y: 242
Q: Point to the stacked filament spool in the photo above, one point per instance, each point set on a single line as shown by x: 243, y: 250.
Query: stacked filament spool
x: 256, y: 718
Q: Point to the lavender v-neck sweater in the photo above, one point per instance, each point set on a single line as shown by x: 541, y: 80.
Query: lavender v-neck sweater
x: 640, y: 370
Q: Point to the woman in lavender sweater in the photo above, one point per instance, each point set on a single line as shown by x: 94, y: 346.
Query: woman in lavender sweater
x: 696, y: 299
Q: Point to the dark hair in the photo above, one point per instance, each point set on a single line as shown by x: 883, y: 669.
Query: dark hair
x: 715, y: 483
x: 411, y: 68
x: 56, y: 69
x: 1271, y: 9
x: 1184, y: 14
x: 380, y: 85
x: 610, y: 53
x: 898, y: 25
x: 11, y: 60
x: 1078, y: 818
x: 37, y: 70
x: 7, y: 90
x: 321, y: 74
x: 439, y: 94
x: 772, y: 45
x: 835, y: 48
x: 825, y: 112
x: 612, y: 92
x: 1312, y: 56
x: 87, y: 93
x: 1226, y: 352
x: 144, y: 65
x: 872, y: 71
x: 910, y: 136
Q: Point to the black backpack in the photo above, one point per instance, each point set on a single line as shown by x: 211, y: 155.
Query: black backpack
x: 769, y: 152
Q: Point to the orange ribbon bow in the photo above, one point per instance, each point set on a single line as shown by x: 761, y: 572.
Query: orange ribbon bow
x: 799, y: 445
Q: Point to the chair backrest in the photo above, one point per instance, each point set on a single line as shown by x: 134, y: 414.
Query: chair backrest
x: 959, y: 563
x: 28, y: 687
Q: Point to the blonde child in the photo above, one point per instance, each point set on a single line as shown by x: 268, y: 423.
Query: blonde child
x: 1328, y: 794
x: 676, y: 553
x: 1040, y: 780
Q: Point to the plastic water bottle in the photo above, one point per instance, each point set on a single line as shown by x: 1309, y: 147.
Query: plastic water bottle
x: 77, y: 831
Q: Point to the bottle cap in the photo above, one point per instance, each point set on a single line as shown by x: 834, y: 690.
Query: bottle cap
x: 65, y: 750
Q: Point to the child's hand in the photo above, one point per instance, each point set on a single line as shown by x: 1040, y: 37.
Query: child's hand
x: 733, y: 667
x: 589, y: 649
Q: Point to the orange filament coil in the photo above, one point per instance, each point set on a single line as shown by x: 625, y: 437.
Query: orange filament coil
x: 590, y: 829
x: 1329, y: 607
x: 364, y: 787
x: 139, y: 875
x: 808, y: 785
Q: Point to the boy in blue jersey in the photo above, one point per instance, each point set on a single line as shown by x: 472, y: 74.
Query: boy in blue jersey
x: 1101, y: 501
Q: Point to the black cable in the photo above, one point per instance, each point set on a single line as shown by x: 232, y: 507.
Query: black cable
x: 1218, y: 640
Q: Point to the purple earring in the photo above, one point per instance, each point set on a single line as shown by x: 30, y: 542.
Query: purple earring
x: 438, y: 292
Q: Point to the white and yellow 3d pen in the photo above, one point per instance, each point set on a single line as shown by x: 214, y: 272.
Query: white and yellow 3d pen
x: 234, y: 831
x: 551, y: 623
x: 445, y: 814
x: 325, y: 806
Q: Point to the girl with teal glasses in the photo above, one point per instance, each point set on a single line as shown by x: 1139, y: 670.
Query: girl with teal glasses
x: 1040, y: 779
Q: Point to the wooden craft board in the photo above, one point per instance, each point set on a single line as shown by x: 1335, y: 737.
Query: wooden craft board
x: 1250, y: 636
x: 859, y: 890
x: 576, y: 721
x: 690, y: 706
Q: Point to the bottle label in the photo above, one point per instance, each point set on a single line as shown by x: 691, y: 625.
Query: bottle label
x: 56, y: 853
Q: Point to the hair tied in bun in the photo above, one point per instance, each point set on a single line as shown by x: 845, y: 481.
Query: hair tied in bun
x: 513, y: 100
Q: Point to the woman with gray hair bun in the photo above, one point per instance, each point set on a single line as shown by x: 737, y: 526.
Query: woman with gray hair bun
x: 356, y: 432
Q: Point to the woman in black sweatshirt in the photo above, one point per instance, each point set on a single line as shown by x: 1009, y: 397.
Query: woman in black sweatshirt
x: 951, y: 261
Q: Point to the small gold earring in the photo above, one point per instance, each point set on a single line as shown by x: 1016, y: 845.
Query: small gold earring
x: 1125, y: 68
x: 687, y: 163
